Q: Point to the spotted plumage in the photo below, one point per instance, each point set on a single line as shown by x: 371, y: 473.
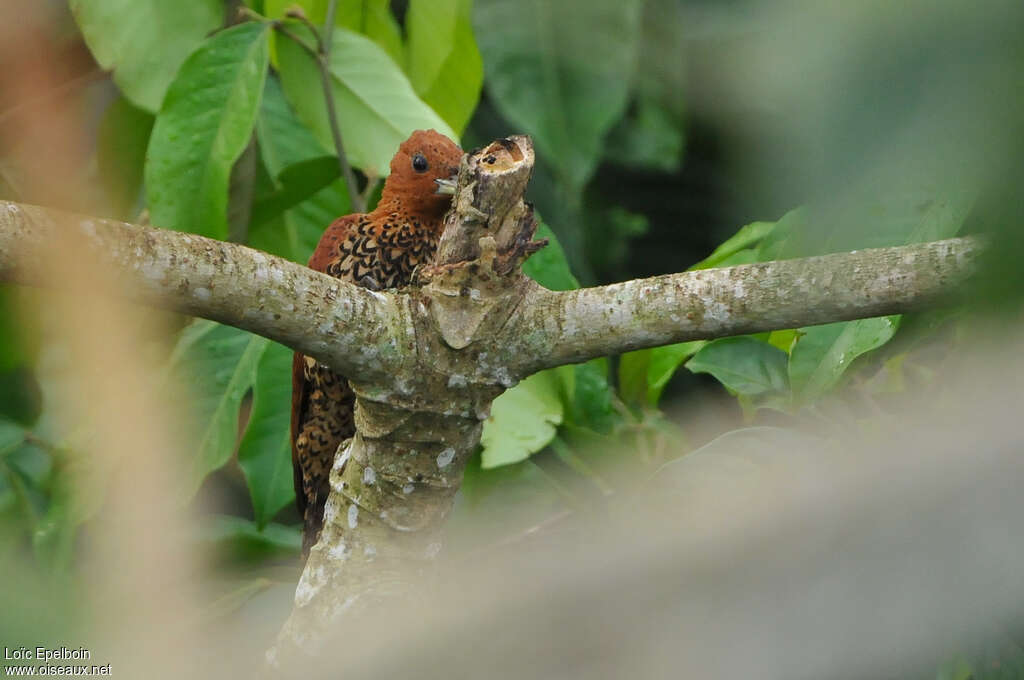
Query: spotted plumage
x: 378, y: 250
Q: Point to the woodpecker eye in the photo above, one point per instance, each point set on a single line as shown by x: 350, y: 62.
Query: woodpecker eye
x: 419, y: 163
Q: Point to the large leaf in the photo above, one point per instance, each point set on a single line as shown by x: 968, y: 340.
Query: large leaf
x: 823, y: 353
x: 287, y: 146
x: 376, y: 105
x: 743, y: 240
x: 294, y: 185
x: 245, y: 542
x: 874, y: 216
x: 284, y: 140
x: 548, y: 266
x: 561, y: 71
x: 643, y: 374
x: 650, y: 135
x: 647, y: 137
x: 121, y: 156
x: 145, y: 41
x: 203, y: 127
x: 219, y: 365
x: 295, y: 234
x: 745, y: 365
x: 905, y: 212
x: 265, y: 451
x: 523, y: 420
x: 371, y: 18
x: 444, y: 64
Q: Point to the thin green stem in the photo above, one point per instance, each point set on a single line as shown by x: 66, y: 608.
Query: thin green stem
x: 279, y: 27
x: 322, y: 55
x: 324, y: 61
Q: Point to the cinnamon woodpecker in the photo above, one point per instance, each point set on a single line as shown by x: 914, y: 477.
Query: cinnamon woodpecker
x: 376, y: 250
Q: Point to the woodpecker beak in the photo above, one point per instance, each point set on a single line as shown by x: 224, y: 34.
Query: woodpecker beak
x: 446, y: 186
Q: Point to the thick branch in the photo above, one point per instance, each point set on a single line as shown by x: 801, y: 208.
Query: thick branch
x: 239, y: 286
x: 550, y: 329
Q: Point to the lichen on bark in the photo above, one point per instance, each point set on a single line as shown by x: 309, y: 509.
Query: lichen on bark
x: 426, y: 362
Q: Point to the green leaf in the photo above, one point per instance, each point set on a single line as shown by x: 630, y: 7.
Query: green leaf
x: 523, y: 420
x: 377, y: 106
x: 873, y: 216
x: 776, y: 245
x: 379, y: 25
x: 647, y: 137
x: 589, y: 395
x: 745, y: 365
x: 744, y: 239
x: 284, y: 140
x: 903, y: 212
x: 296, y: 184
x: 295, y: 234
x: 548, y: 266
x: 12, y: 435
x: 145, y: 41
x: 444, y: 64
x: 203, y: 127
x: 644, y: 373
x: 562, y: 72
x: 121, y: 155
x: 371, y: 18
x: 823, y: 353
x: 663, y: 364
x: 633, y: 376
x: 218, y: 365
x: 784, y: 340
x: 240, y: 539
x: 265, y: 451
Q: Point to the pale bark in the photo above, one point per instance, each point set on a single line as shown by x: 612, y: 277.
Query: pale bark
x: 225, y: 282
x: 427, y: 362
x: 552, y: 329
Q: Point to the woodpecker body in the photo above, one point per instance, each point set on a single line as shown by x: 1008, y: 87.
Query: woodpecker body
x: 377, y: 250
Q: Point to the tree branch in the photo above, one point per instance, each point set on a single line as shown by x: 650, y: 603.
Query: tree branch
x: 294, y: 305
x: 550, y: 329
x: 426, y: 362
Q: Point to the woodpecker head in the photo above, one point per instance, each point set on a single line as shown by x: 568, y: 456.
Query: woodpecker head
x: 423, y: 172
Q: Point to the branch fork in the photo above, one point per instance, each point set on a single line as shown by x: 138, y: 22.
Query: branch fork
x: 426, y: 362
